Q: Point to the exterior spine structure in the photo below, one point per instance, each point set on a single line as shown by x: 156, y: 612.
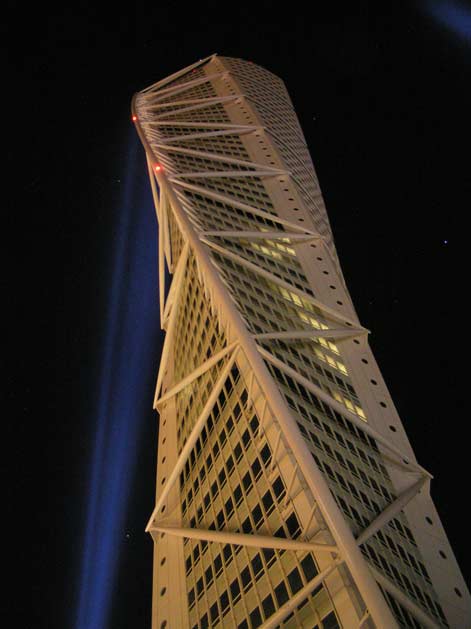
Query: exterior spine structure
x: 288, y: 494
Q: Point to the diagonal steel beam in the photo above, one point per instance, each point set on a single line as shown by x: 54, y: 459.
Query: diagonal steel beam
x: 325, y: 397
x: 197, y: 125
x: 196, y: 373
x: 327, y: 310
x: 211, y: 100
x: 177, y: 75
x: 281, y: 614
x: 161, y: 94
x: 404, y: 600
x: 239, y: 130
x: 167, y: 115
x: 192, y: 438
x: 159, y: 209
x: 391, y: 510
x: 226, y: 174
x: 243, y: 539
x: 178, y: 279
x: 219, y: 158
x: 230, y: 201
x: 331, y: 333
x: 262, y: 235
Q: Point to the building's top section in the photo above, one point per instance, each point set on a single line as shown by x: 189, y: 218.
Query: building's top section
x: 271, y: 107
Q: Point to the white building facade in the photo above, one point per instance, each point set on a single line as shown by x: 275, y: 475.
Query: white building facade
x: 288, y: 494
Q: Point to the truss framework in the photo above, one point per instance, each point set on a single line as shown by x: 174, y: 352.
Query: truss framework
x: 345, y: 547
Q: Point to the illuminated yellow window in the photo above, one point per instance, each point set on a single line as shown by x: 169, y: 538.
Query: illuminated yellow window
x: 315, y: 323
x: 333, y: 347
x: 331, y: 361
x: 360, y: 412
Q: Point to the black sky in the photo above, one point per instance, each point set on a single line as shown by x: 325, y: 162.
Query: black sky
x: 384, y: 102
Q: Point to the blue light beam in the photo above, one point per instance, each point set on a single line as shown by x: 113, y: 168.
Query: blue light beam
x: 453, y: 15
x: 129, y: 354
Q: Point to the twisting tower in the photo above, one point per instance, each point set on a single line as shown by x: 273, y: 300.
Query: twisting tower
x: 288, y: 494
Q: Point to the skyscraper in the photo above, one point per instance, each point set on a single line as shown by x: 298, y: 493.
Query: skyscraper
x: 287, y: 491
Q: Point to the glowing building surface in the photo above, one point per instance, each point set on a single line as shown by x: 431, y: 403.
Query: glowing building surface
x: 288, y: 494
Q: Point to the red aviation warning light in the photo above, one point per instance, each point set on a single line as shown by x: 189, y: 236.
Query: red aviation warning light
x: 134, y: 118
x: 158, y: 167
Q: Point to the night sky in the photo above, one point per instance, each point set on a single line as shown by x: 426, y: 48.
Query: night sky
x: 384, y: 103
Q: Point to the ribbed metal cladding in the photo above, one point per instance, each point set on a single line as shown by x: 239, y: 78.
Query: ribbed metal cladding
x: 287, y: 491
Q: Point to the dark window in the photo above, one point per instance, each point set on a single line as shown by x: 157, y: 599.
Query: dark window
x: 268, y: 606
x: 330, y: 621
x: 238, y: 494
x: 255, y: 618
x: 293, y: 525
x: 268, y: 554
x: 199, y: 586
x: 229, y: 507
x: 218, y: 564
x: 222, y: 477
x: 280, y: 532
x: 254, y: 424
x: 257, y: 565
x: 238, y: 451
x: 235, y: 590
x: 224, y: 600
x: 227, y: 552
x: 214, y: 612
x: 208, y: 575
x: 278, y: 488
x: 281, y: 594
x: 204, y: 622
x: 256, y: 468
x: 295, y: 581
x: 247, y: 481
x: 246, y: 525
x: 222, y: 437
x: 309, y: 567
x: 246, y: 578
x: 265, y: 454
x: 257, y: 515
x: 267, y: 501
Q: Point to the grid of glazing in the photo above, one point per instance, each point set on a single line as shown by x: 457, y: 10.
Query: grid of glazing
x: 267, y: 308
x: 226, y: 145
x: 198, y: 336
x: 269, y: 98
x: 231, y: 483
x: 215, y: 214
x: 176, y: 239
x: 360, y: 483
x: 379, y: 549
x: 268, y: 255
x: 249, y: 191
